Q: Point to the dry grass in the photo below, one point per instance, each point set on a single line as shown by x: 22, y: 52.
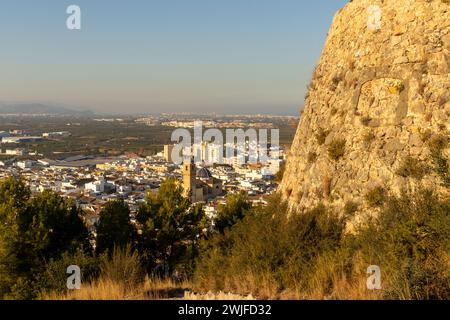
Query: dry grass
x: 151, y: 289
x: 329, y: 282
x: 342, y: 288
x: 99, y: 290
x: 107, y: 289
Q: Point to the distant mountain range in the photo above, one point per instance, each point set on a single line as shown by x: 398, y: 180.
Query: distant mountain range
x: 40, y: 109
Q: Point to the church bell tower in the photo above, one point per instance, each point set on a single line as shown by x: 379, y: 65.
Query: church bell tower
x: 189, y: 172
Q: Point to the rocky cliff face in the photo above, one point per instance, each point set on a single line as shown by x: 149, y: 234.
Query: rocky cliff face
x: 378, y: 94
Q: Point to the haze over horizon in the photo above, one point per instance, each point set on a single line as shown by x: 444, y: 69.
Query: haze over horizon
x: 235, y: 56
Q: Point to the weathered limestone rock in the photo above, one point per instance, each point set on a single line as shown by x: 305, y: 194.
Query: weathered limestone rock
x: 379, y: 90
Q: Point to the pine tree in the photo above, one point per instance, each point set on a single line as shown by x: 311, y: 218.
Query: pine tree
x: 32, y: 232
x: 233, y: 211
x: 114, y: 227
x: 171, y: 228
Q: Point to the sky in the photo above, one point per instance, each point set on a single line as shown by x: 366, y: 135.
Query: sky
x: 153, y: 56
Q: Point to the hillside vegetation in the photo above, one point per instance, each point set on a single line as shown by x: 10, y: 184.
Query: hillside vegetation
x: 268, y: 253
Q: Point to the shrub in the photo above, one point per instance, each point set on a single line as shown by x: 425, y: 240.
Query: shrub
x: 376, y: 197
x: 272, y: 253
x: 426, y: 135
x: 321, y: 135
x: 413, y: 168
x: 122, y: 266
x: 368, y: 138
x: 350, y: 208
x: 336, y: 149
x: 234, y: 210
x: 54, y: 277
x: 409, y: 241
x: 268, y: 251
x: 280, y: 174
x: 335, y: 82
x: 312, y: 157
x: 437, y: 144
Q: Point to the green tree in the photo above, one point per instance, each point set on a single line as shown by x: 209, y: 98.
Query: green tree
x: 170, y: 229
x: 33, y: 231
x: 13, y: 198
x: 114, y: 227
x: 13, y: 193
x: 233, y: 211
x: 53, y: 226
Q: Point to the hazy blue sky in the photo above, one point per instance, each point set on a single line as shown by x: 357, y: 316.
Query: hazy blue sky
x: 148, y: 56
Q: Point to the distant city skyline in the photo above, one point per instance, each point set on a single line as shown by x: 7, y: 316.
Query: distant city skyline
x: 138, y: 57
